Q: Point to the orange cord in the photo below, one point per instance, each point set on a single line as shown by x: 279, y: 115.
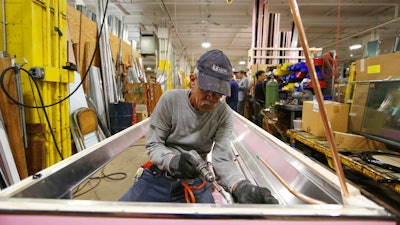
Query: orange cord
x: 189, y: 191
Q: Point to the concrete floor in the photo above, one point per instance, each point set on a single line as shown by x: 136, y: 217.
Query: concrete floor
x: 114, y: 179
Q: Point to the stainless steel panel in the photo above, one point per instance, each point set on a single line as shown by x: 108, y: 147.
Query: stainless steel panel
x: 250, y: 141
x: 36, y: 199
x: 58, y: 180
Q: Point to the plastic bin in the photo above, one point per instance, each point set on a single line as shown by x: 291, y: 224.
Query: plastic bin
x: 297, y: 124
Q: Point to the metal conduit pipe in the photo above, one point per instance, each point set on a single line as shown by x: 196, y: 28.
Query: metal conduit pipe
x: 364, y: 31
x: 318, y: 93
x: 164, y: 7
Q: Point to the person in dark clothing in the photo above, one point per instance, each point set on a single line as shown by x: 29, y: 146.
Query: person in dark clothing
x: 244, y: 87
x: 232, y: 100
x: 259, y: 89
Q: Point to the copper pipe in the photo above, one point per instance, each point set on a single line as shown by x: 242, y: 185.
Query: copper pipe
x: 299, y: 195
x: 318, y: 93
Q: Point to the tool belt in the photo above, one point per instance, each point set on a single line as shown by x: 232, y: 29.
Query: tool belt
x: 155, y: 170
x: 188, y: 190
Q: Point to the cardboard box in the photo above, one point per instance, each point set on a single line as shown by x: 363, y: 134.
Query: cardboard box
x: 356, y: 142
x: 350, y: 141
x: 141, y: 115
x: 337, y: 113
x: 357, y: 110
x: 356, y: 117
x: 378, y: 68
x: 141, y: 112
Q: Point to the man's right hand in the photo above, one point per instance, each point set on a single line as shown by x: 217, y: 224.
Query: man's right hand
x: 184, y: 166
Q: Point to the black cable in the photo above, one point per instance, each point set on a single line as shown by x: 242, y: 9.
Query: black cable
x: 138, y: 145
x: 43, y: 106
x: 16, y: 70
x: 111, y: 176
x: 79, y: 188
x: 34, y: 100
x: 40, y: 119
x: 76, y: 89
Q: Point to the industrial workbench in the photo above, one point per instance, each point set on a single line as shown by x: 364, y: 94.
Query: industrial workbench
x: 349, y: 157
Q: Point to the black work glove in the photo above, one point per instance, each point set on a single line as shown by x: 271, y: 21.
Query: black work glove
x: 184, y: 166
x: 247, y: 193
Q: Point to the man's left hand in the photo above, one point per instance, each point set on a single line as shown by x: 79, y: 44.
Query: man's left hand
x: 247, y: 193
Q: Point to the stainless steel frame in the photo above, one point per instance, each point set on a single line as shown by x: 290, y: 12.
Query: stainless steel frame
x: 47, y: 195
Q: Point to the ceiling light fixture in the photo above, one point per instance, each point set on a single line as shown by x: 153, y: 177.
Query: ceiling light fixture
x: 206, y: 44
x: 242, y: 62
x: 354, y: 47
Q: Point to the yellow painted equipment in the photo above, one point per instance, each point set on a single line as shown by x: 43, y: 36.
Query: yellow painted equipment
x: 165, y: 67
x: 36, y: 32
x: 282, y: 69
x: 350, y: 84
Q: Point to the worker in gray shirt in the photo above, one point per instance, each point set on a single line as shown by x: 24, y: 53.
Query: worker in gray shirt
x: 195, y: 119
x: 244, y: 86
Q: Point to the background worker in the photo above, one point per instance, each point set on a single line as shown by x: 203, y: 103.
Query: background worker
x: 259, y: 89
x: 244, y: 86
x: 195, y: 119
x: 232, y: 100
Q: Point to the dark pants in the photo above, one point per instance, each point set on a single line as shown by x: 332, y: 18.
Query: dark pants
x: 233, y: 106
x: 156, y: 186
x: 240, y: 107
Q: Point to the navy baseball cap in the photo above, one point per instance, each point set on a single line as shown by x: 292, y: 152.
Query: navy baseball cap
x: 215, y: 72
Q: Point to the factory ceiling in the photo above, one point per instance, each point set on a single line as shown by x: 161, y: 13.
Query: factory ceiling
x: 329, y: 24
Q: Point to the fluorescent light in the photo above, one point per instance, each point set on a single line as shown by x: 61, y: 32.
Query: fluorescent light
x: 148, y: 68
x: 242, y: 62
x: 206, y: 44
x: 354, y: 47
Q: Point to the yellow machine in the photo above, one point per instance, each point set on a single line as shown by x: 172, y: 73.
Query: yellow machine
x: 36, y: 38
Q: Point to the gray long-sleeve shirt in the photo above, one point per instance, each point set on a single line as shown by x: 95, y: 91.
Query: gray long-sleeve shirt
x: 175, y: 126
x: 244, y: 86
